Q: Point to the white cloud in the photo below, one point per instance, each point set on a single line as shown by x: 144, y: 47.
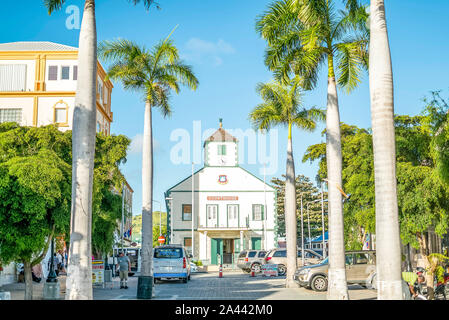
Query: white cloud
x: 137, y: 144
x: 200, y: 51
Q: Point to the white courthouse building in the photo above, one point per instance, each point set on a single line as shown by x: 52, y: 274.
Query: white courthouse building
x: 233, y: 209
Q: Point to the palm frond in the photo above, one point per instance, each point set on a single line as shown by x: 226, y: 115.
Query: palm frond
x: 53, y: 5
x: 352, y: 57
x: 147, y: 3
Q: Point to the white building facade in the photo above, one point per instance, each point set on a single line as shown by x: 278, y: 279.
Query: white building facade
x: 232, y: 209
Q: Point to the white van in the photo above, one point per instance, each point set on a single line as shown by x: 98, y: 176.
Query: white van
x: 171, y: 262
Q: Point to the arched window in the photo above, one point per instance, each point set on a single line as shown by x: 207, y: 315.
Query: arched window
x: 61, y: 113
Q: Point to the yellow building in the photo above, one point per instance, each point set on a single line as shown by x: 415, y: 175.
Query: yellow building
x: 38, y: 85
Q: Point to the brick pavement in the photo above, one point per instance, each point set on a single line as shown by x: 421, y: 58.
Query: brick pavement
x: 204, y: 286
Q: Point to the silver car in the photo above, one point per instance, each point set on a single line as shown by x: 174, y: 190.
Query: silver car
x: 279, y: 257
x: 251, y: 260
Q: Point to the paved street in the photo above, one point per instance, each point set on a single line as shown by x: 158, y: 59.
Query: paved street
x: 233, y: 286
x: 204, y: 286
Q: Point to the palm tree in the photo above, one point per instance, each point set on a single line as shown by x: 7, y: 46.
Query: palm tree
x: 302, y: 35
x: 79, y: 272
x: 155, y: 73
x: 281, y: 106
x: 388, y: 243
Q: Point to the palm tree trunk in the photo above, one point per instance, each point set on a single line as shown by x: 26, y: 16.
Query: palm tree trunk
x: 388, y: 245
x: 147, y: 196
x: 290, y: 214
x: 79, y: 275
x: 28, y: 281
x: 337, y: 286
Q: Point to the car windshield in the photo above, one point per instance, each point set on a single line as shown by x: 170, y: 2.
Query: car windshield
x: 168, y: 253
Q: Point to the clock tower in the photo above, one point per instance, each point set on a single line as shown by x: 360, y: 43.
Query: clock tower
x: 221, y: 149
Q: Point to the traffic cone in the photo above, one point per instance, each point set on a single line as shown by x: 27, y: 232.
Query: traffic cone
x: 220, y: 272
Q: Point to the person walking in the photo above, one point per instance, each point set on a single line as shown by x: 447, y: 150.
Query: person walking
x: 125, y: 266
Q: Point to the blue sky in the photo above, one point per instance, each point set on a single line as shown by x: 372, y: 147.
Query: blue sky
x: 219, y: 41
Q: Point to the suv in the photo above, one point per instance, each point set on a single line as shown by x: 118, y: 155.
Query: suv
x: 279, y: 257
x: 251, y: 260
x: 360, y: 269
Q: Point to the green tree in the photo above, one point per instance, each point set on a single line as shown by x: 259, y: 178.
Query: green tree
x: 34, y: 194
x: 301, y: 36
x: 24, y: 152
x: 154, y: 73
x: 84, y: 129
x: 282, y: 106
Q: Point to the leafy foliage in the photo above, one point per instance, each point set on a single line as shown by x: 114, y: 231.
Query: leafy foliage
x: 311, y: 198
x: 422, y: 196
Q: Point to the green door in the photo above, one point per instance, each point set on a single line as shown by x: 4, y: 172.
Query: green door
x: 216, y: 248
x: 256, y: 243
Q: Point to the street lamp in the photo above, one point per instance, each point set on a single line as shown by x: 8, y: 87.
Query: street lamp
x: 171, y: 220
x: 52, y: 277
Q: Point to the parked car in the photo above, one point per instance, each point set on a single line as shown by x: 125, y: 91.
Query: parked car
x: 251, y: 260
x: 360, y: 269
x: 279, y: 257
x: 193, y: 267
x: 171, y: 262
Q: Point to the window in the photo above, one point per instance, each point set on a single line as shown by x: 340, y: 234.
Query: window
x: 11, y: 115
x: 168, y: 253
x: 13, y: 77
x: 261, y: 254
x: 349, y: 259
x: 258, y: 213
x: 52, y: 73
x: 100, y: 90
x: 65, y: 73
x: 187, y: 212
x: 222, y: 150
x: 61, y: 110
x: 252, y: 254
x: 242, y: 254
x: 187, y: 242
x: 75, y: 72
x: 280, y: 254
x: 106, y: 93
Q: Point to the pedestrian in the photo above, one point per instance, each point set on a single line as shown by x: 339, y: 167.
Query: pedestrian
x: 125, y: 266
x: 36, y: 273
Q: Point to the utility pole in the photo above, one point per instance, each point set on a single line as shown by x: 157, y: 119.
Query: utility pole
x: 302, y: 235
x: 264, y: 232
x: 193, y: 211
x: 123, y: 216
x: 308, y: 225
x: 322, y: 221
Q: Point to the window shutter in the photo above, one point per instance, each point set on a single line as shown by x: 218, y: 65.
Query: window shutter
x: 75, y: 72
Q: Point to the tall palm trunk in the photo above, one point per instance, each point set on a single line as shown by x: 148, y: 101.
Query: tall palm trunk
x: 147, y: 197
x: 290, y: 213
x: 337, y: 287
x: 79, y: 275
x: 382, y: 116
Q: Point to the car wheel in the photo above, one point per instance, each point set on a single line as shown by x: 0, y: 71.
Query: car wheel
x: 256, y: 268
x: 319, y: 283
x: 246, y: 270
x: 282, y: 270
